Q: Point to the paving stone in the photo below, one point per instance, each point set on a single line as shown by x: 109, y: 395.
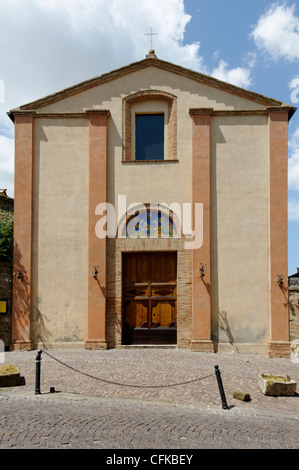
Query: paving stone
x: 88, y: 411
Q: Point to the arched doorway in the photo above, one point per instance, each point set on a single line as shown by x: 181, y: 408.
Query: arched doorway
x: 149, y: 282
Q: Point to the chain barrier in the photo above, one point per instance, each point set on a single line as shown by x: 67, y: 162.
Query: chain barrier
x: 122, y: 384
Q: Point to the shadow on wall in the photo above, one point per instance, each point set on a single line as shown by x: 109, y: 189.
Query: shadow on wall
x: 21, y: 297
x: 40, y: 333
x: 22, y: 305
x: 6, y: 296
x: 224, y: 326
x: 114, y: 282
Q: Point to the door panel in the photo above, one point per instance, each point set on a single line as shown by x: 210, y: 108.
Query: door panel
x: 163, y: 313
x: 142, y: 268
x: 136, y: 313
x: 149, y: 298
x: 163, y: 267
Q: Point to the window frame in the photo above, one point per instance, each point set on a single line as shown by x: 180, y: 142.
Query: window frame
x: 141, y: 130
x: 150, y: 102
x: 134, y: 130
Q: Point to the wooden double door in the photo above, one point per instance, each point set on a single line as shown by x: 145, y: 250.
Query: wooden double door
x: 149, y: 298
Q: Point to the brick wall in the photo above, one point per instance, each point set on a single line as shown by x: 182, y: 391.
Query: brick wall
x: 115, y: 248
x: 6, y: 272
x: 294, y: 312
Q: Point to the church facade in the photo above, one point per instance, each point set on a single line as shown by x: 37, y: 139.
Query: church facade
x: 151, y: 209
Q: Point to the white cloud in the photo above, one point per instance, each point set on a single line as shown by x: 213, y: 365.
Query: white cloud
x: 48, y: 45
x: 294, y: 161
x: 251, y: 59
x: 239, y: 76
x: 7, y: 164
x: 294, y: 86
x: 277, y: 32
x: 293, y: 210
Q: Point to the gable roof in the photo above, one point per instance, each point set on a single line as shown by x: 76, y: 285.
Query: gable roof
x: 295, y: 275
x: 152, y: 61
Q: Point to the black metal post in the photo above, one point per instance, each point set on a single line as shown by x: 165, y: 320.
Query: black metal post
x: 37, y: 372
x: 221, y: 389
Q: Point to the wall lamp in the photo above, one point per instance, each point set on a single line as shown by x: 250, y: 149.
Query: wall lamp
x: 20, y: 274
x: 279, y: 279
x: 95, y: 272
x: 202, y: 270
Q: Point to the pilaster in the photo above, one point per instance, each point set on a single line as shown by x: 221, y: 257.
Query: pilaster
x: 98, y: 148
x: 279, y: 345
x: 201, y: 297
x: 23, y: 203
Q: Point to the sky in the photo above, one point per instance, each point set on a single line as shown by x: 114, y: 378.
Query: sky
x: 48, y: 45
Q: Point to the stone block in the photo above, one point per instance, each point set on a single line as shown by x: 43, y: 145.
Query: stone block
x: 9, y: 379
x: 243, y: 396
x: 276, y: 385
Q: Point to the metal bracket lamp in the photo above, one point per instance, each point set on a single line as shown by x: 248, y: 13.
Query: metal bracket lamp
x: 279, y: 279
x: 95, y: 272
x: 202, y: 270
x: 20, y: 274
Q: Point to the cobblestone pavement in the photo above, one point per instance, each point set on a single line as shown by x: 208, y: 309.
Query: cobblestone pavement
x: 146, y: 399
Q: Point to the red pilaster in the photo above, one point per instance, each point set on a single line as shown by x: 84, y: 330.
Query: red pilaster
x: 98, y: 148
x: 278, y: 233
x: 201, y: 298
x: 23, y: 203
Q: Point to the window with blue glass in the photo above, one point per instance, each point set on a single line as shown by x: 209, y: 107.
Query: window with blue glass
x: 150, y: 224
x: 149, y: 137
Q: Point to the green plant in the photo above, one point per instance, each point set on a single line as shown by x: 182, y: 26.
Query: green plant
x: 8, y: 369
x: 6, y: 236
x: 276, y: 378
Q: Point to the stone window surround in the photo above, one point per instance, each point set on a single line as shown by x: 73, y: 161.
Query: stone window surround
x: 146, y: 96
x: 168, y: 212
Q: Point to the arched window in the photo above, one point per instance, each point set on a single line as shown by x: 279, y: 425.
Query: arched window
x: 150, y: 223
x: 150, y: 126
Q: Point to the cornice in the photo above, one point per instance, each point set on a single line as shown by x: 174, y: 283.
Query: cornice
x: 150, y: 61
x: 244, y: 112
x: 40, y: 115
x: 102, y: 112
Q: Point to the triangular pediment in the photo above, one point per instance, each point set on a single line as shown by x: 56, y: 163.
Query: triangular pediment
x: 151, y: 61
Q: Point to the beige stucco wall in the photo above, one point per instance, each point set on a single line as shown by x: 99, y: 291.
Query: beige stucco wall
x: 239, y: 230
x: 190, y: 94
x: 239, y: 197
x: 60, y: 234
x: 107, y: 94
